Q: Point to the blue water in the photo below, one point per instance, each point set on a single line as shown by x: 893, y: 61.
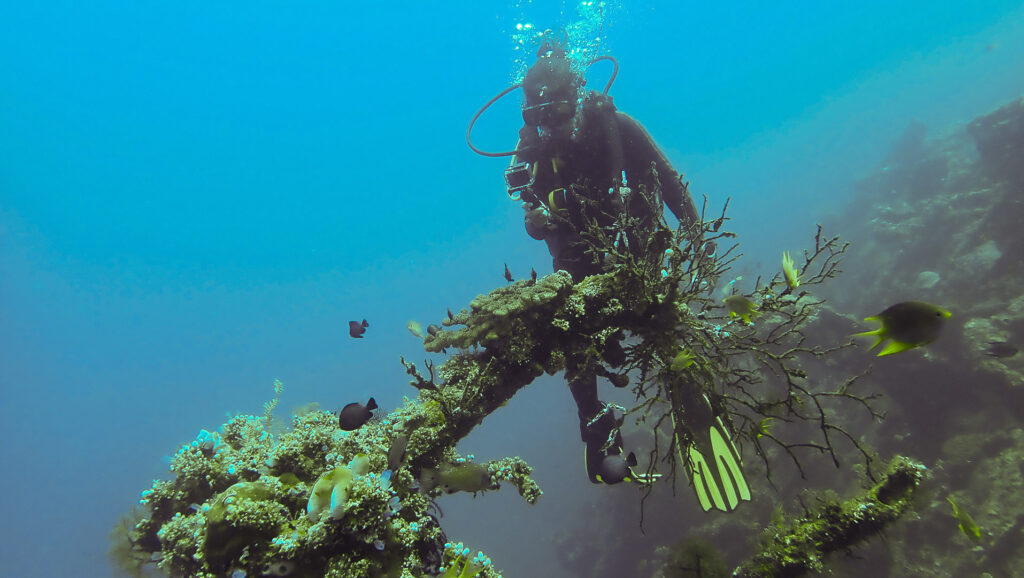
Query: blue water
x: 196, y: 198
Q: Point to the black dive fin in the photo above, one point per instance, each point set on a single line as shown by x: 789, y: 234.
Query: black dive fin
x: 592, y: 460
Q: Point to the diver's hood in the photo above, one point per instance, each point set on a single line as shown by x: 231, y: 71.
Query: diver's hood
x: 551, y: 79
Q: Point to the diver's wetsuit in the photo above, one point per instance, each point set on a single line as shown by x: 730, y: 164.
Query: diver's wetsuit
x: 591, y: 163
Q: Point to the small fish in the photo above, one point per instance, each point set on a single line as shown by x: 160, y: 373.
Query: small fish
x: 415, y: 328
x: 354, y: 415
x: 740, y: 306
x: 450, y: 316
x: 396, y: 454
x: 789, y: 271
x: 1000, y: 349
x: 433, y: 329
x: 908, y: 324
x: 357, y: 329
x: 394, y: 506
x: 457, y: 477
x: 508, y: 274
x: 764, y: 428
x: 965, y: 522
x: 615, y: 469
x: 533, y: 274
x: 682, y: 360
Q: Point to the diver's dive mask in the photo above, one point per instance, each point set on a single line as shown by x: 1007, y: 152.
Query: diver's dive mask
x: 549, y: 113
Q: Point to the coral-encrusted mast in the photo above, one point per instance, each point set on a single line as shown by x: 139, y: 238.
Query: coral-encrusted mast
x: 317, y: 500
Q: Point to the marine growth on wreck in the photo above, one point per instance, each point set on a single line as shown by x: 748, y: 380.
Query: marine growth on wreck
x: 317, y: 500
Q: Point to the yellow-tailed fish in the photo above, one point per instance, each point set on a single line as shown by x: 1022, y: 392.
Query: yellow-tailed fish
x: 415, y: 328
x: 742, y: 307
x: 908, y: 324
x: 789, y: 271
x: 682, y: 360
x: 457, y: 477
x: 964, y: 521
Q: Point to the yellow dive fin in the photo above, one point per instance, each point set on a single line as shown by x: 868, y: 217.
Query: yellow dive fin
x: 591, y: 462
x: 716, y: 472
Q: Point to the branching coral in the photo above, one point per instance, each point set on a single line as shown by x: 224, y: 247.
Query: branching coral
x: 665, y: 282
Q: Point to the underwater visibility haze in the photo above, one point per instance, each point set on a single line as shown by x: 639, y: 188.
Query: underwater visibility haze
x: 259, y: 297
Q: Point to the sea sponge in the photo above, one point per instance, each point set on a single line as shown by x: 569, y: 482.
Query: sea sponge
x: 244, y: 514
x: 330, y: 492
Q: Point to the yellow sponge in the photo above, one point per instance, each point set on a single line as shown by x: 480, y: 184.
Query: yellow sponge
x: 330, y: 492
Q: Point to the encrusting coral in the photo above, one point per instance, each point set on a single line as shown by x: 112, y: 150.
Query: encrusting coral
x: 316, y: 501
x: 792, y: 548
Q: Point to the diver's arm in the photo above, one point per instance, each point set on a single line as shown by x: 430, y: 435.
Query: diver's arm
x: 641, y: 148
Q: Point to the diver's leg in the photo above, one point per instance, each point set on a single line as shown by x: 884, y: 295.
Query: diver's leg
x: 597, y: 421
x: 584, y: 393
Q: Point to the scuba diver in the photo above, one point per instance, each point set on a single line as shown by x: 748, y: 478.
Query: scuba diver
x: 579, y: 161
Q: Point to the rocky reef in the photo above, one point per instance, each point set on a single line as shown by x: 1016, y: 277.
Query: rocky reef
x: 941, y: 220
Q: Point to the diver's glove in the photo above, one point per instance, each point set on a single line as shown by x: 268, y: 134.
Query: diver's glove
x: 538, y: 223
x: 710, y: 458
